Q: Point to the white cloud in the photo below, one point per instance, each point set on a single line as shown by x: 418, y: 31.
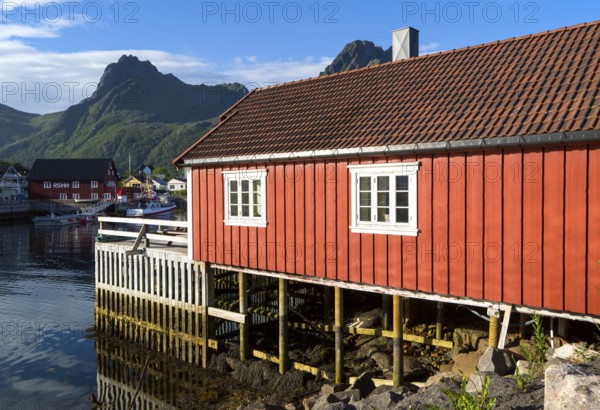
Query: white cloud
x: 429, y: 48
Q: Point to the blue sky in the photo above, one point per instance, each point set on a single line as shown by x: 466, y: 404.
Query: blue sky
x: 52, y: 53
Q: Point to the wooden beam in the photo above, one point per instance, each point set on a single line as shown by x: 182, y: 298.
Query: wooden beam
x: 439, y: 323
x: 339, y: 334
x: 398, y: 353
x: 226, y: 315
x: 504, y: 330
x: 283, y: 326
x: 208, y: 300
x: 141, y: 235
x: 244, y: 328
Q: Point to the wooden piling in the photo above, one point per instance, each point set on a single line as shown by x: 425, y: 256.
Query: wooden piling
x: 398, y: 353
x: 283, y: 326
x: 244, y: 327
x: 208, y: 300
x: 339, y: 335
x: 326, y: 305
x: 386, y: 310
x: 439, y: 323
x: 493, y: 333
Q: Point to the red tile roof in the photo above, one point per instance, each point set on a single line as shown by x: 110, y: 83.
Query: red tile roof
x: 532, y: 85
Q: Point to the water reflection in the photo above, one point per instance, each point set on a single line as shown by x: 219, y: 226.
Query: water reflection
x: 46, y: 302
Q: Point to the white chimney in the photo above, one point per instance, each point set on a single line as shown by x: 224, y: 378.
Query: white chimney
x: 405, y: 43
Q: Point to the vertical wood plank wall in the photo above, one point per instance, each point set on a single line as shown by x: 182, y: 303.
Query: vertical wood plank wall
x: 516, y: 225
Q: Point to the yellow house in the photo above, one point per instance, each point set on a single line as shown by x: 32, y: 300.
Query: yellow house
x: 131, y: 182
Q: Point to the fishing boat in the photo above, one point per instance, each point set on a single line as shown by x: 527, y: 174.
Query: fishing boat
x: 149, y: 207
x: 55, y: 219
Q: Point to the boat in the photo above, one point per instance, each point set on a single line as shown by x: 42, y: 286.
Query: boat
x: 86, y: 201
x: 149, y: 207
x: 63, y: 219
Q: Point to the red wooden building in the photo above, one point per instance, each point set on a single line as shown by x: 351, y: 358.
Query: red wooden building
x: 471, y: 176
x: 73, y: 179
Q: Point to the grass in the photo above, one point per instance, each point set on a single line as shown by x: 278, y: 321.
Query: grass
x: 534, y: 354
x: 463, y: 400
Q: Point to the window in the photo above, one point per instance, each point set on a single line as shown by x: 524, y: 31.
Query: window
x: 107, y: 195
x: 245, y: 202
x: 47, y: 184
x: 75, y: 184
x: 62, y: 196
x: 94, y: 196
x: 76, y: 197
x: 94, y: 184
x: 384, y: 198
x: 110, y: 184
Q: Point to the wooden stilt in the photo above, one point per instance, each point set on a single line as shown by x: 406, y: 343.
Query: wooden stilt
x: 386, y: 309
x: 339, y: 335
x: 283, y: 326
x: 244, y: 327
x: 439, y: 323
x: 398, y: 353
x: 326, y: 305
x: 523, y: 317
x: 493, y: 333
x: 563, y: 328
x: 208, y: 300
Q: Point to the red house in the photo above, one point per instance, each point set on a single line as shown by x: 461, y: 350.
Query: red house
x: 73, y: 179
x: 468, y: 176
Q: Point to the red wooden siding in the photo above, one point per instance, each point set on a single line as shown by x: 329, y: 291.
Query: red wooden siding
x: 516, y: 226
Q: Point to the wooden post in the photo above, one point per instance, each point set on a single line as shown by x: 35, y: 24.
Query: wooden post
x: 439, y: 323
x: 386, y: 308
x: 398, y: 353
x: 326, y: 305
x: 522, y: 328
x: 283, y: 326
x: 493, y: 334
x: 339, y: 335
x: 244, y: 327
x: 208, y: 300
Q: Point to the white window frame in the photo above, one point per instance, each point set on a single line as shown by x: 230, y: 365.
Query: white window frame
x: 392, y: 170
x: 75, y: 184
x: 94, y: 184
x: 75, y: 197
x: 47, y: 184
x: 62, y: 196
x: 249, y: 175
x: 94, y: 196
x: 107, y: 195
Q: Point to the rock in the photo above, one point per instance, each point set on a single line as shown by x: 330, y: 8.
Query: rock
x: 569, y: 386
x: 324, y: 400
x: 446, y: 368
x: 233, y: 362
x: 366, y: 319
x: 260, y: 406
x: 436, y: 378
x: 578, y: 352
x: 383, y: 360
x: 466, y: 363
x: 309, y: 402
x: 385, y: 400
x: 475, y: 382
x: 496, y: 360
x: 333, y: 388
x: 523, y: 367
x: 364, y: 384
x: 348, y: 395
x: 218, y: 363
x: 413, y: 369
x: 380, y: 344
x: 465, y: 338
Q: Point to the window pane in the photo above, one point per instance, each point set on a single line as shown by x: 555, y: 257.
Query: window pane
x: 401, y: 198
x: 383, y: 183
x: 245, y: 185
x: 233, y: 211
x: 383, y: 214
x: 365, y: 214
x: 402, y: 183
x: 402, y: 215
x: 365, y: 183
x: 365, y: 199
x: 257, y: 210
x: 245, y: 198
x: 256, y: 185
x: 383, y: 199
x: 257, y: 203
x: 245, y: 210
x: 233, y: 199
x: 233, y: 186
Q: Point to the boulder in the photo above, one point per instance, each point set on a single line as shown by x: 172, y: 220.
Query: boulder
x: 497, y: 361
x: 413, y: 369
x: 469, y: 339
x: 383, y: 360
x: 366, y: 319
x: 578, y: 352
x: 333, y: 388
x: 387, y: 400
x: 569, y: 386
x: 436, y: 378
x: 261, y: 406
x: 523, y: 367
x: 380, y: 344
x: 348, y: 395
x: 364, y: 384
x: 466, y: 363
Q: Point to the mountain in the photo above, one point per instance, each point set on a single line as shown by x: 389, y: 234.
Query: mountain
x: 358, y: 54
x: 136, y: 110
x: 14, y: 124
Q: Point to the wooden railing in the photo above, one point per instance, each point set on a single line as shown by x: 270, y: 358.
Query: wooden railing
x: 172, y: 232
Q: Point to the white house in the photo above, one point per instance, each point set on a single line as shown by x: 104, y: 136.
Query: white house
x: 13, y: 184
x: 158, y: 184
x: 176, y: 184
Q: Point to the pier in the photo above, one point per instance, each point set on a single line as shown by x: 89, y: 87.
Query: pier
x: 149, y: 291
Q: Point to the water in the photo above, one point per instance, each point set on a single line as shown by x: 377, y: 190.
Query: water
x: 46, y: 303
